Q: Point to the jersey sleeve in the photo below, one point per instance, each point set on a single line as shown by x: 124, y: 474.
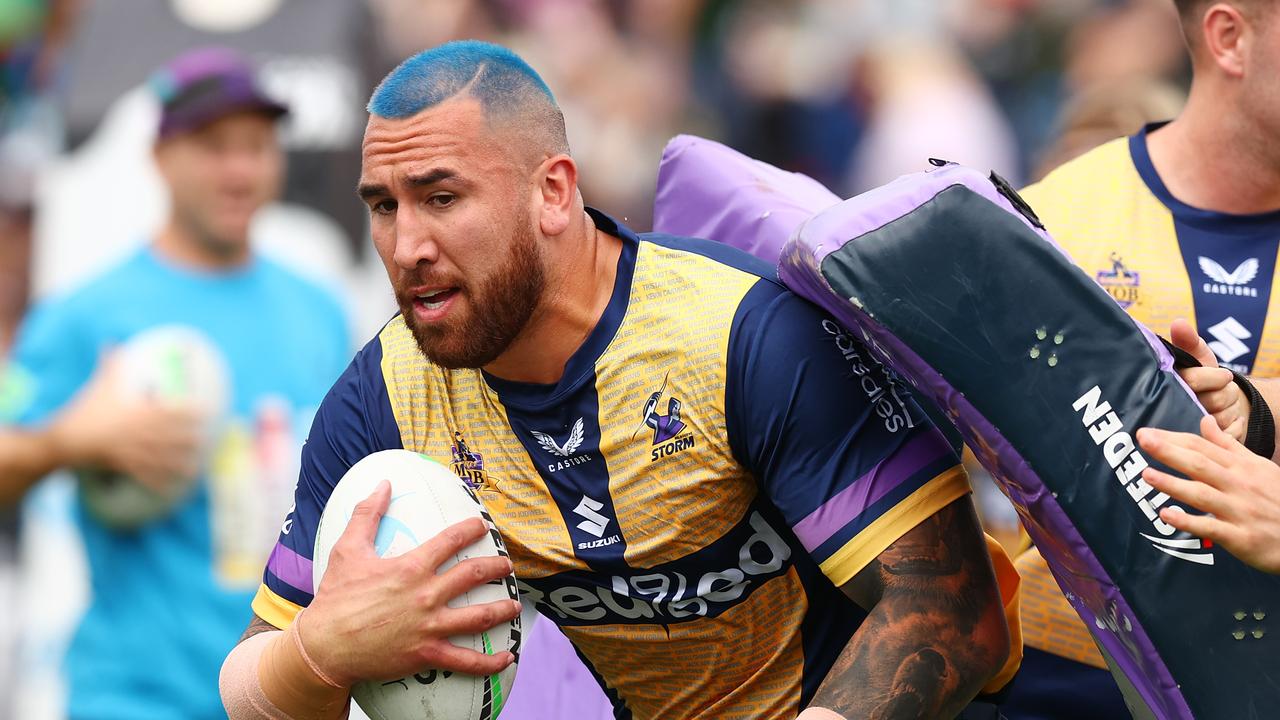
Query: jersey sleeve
x: 834, y: 439
x: 354, y: 420
x: 52, y: 357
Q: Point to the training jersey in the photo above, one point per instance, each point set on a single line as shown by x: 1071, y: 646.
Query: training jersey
x: 168, y: 600
x: 716, y: 460
x: 1160, y: 259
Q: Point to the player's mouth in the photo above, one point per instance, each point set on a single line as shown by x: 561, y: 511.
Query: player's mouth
x: 432, y: 305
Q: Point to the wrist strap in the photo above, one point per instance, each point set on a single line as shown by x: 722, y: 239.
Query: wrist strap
x: 295, y: 629
x: 1260, y: 437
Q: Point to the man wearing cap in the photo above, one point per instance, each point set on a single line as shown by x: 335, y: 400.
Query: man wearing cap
x: 283, y: 341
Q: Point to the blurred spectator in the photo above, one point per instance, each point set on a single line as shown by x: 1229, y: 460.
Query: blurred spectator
x: 926, y: 102
x: 33, y: 34
x: 1106, y: 112
x: 319, y: 56
x: 283, y: 339
x: 1126, y: 42
x: 824, y: 87
x: 779, y: 78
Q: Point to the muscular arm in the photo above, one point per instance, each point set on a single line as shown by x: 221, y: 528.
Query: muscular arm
x: 935, y: 632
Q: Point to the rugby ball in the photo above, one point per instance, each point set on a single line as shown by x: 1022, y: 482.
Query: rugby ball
x: 175, y: 365
x: 425, y: 499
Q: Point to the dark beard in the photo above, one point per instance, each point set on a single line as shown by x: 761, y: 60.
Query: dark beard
x: 499, y: 311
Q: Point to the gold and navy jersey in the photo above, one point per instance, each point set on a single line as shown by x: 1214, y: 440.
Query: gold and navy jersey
x: 717, y: 459
x: 1161, y: 259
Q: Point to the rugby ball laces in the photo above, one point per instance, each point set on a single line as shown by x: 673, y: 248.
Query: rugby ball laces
x: 426, y: 498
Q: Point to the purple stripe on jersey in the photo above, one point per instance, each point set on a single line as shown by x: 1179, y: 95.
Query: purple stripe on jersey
x: 912, y: 457
x: 291, y: 568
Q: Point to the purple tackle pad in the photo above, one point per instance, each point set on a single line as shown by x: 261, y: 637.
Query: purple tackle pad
x: 948, y: 277
x: 706, y: 190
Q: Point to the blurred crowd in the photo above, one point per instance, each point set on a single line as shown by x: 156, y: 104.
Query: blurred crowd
x: 850, y: 92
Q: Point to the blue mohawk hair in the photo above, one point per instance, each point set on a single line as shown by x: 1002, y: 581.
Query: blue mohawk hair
x: 494, y: 75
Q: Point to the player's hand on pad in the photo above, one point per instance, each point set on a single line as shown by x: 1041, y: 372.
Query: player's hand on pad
x: 153, y: 442
x: 384, y: 618
x: 1214, y: 386
x: 1239, y: 489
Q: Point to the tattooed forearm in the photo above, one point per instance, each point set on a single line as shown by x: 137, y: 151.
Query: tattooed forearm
x: 935, y: 632
x: 257, y: 625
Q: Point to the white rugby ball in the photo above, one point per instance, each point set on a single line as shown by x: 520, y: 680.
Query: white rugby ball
x: 174, y: 365
x: 425, y: 499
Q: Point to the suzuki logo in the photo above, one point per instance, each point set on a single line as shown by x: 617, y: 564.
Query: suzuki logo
x: 1227, y: 336
x: 595, y: 523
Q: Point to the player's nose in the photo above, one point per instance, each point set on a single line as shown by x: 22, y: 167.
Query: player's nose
x: 415, y: 242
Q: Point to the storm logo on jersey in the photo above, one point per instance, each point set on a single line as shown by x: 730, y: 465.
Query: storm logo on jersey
x: 666, y: 428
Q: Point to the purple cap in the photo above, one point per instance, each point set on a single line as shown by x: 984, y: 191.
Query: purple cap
x: 207, y: 84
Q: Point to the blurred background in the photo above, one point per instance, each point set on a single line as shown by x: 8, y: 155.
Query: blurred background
x: 850, y: 92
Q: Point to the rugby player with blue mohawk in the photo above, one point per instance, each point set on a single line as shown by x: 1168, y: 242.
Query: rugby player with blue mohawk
x: 792, y: 538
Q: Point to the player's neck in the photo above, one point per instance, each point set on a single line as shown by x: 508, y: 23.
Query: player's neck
x: 180, y: 245
x: 579, y: 287
x: 1213, y: 159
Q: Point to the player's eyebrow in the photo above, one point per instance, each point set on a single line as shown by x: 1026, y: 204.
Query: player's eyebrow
x: 367, y: 191
x: 430, y: 178
x: 372, y: 190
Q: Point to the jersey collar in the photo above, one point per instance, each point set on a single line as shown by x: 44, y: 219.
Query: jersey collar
x: 1208, y: 219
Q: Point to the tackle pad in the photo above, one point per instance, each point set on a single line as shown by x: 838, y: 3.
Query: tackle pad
x: 949, y: 277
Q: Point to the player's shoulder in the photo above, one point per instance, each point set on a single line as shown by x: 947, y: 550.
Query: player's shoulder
x: 1106, y: 169
x: 677, y: 250
x: 762, y: 301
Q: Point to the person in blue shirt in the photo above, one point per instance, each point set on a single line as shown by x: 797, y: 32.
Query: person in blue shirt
x: 283, y: 341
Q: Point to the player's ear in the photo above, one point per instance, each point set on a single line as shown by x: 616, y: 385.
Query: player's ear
x: 1226, y: 38
x: 557, y: 193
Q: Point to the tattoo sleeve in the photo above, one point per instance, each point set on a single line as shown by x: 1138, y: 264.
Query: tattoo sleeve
x: 935, y: 631
x: 257, y: 626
